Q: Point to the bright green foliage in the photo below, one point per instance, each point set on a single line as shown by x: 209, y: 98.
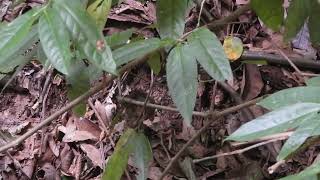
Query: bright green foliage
x: 297, y: 14
x: 135, y: 50
x: 12, y: 34
x: 142, y: 155
x: 131, y: 142
x: 118, y: 39
x: 208, y: 51
x: 119, y: 159
x: 55, y: 41
x: 309, y: 173
x: 313, y: 82
x: 291, y: 96
x: 270, y: 12
x: 15, y: 57
x: 310, y: 126
x: 171, y: 18
x: 99, y: 10
x: 314, y: 23
x: 182, y: 80
x: 79, y: 82
x: 155, y: 62
x: 85, y: 33
x: 276, y: 121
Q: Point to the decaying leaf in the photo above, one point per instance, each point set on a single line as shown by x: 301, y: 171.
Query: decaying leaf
x: 233, y: 47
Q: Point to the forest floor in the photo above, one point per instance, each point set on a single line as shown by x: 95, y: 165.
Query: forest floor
x: 78, y: 147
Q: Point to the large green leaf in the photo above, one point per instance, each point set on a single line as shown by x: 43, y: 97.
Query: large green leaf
x: 119, y: 159
x: 206, y: 47
x: 314, y: 23
x: 12, y: 34
x: 315, y: 81
x: 270, y: 12
x: 171, y: 18
x: 274, y: 122
x: 84, y: 31
x: 310, y: 126
x: 291, y: 96
x: 99, y: 10
x: 135, y: 50
x: 142, y: 154
x: 17, y: 55
x: 154, y: 62
x: 297, y: 14
x: 79, y: 82
x: 55, y: 41
x: 119, y: 39
x: 309, y: 173
x: 182, y: 80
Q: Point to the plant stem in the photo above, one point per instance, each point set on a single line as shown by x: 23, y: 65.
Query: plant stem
x: 215, y: 115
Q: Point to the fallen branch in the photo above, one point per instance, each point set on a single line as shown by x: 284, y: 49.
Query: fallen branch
x: 233, y: 16
x: 71, y: 104
x: 277, y: 59
x: 215, y: 115
x: 239, y: 151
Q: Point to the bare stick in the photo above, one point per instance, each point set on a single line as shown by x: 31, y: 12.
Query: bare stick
x: 71, y: 104
x: 215, y: 115
x: 233, y: 16
x: 239, y: 151
x: 156, y: 106
x: 278, y: 59
x: 274, y: 167
x: 201, y: 9
x: 285, y: 135
x: 104, y: 127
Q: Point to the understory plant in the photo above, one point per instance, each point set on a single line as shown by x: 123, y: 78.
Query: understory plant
x: 67, y: 35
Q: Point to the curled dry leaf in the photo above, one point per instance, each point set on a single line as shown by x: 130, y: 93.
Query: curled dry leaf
x: 47, y: 171
x: 66, y: 157
x: 93, y: 154
x: 253, y: 83
x: 83, y: 124
x: 76, y: 136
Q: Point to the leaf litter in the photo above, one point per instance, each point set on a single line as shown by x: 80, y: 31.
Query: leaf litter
x: 79, y: 147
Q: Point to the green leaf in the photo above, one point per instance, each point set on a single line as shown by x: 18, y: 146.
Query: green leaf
x: 310, y: 126
x: 274, y: 122
x: 297, y: 14
x: 155, y: 62
x: 270, y: 12
x: 314, y: 23
x: 12, y: 34
x: 135, y: 50
x: 313, y: 81
x: 84, y: 31
x: 308, y: 173
x: 119, y: 38
x: 119, y: 159
x: 17, y: 55
x: 182, y: 80
x: 291, y: 96
x: 171, y: 18
x: 142, y: 155
x: 79, y: 82
x: 55, y: 41
x: 209, y: 52
x: 99, y: 10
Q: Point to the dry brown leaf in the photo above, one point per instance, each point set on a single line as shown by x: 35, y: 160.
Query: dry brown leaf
x: 253, y: 83
x: 76, y: 136
x: 93, y: 154
x: 47, y: 171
